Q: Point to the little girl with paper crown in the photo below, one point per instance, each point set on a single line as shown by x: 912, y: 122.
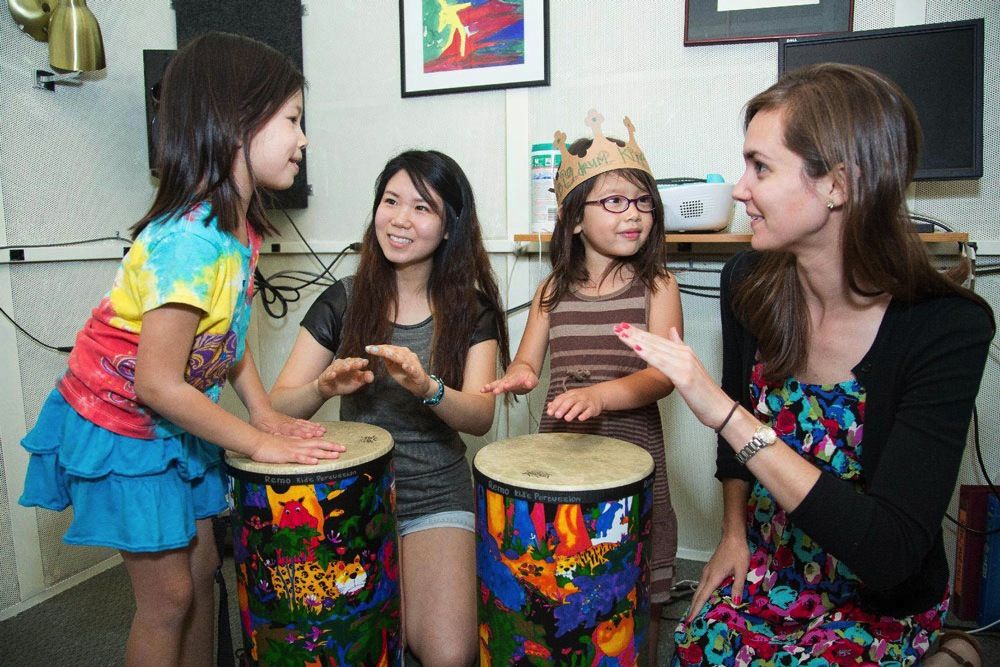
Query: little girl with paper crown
x: 608, y: 266
x: 131, y: 437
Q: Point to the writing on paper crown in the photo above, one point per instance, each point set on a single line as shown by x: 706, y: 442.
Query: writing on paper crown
x: 604, y: 155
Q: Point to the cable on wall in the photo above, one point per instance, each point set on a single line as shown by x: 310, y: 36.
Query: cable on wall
x: 16, y: 246
x: 116, y: 237
x: 54, y: 348
x: 275, y: 296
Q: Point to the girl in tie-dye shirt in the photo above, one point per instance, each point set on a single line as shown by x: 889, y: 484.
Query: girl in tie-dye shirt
x: 132, y: 435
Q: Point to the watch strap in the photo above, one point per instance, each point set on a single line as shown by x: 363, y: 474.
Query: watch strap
x: 756, y: 443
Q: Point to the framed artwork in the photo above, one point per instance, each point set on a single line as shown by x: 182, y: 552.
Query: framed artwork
x: 456, y: 46
x: 721, y: 21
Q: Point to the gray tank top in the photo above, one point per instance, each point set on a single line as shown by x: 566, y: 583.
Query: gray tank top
x: 432, y: 473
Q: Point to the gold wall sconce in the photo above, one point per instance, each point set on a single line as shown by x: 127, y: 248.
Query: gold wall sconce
x: 73, y: 34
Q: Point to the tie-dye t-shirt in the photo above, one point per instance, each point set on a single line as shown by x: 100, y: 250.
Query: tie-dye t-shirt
x: 180, y: 261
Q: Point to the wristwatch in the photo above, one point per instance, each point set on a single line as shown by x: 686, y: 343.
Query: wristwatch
x: 762, y: 437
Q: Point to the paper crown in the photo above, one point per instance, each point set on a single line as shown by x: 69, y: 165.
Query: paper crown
x: 603, y: 155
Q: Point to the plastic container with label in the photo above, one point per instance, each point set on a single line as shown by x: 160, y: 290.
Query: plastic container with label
x: 545, y: 160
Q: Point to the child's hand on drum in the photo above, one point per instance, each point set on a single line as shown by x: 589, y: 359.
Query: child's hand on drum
x: 404, y: 367
x: 576, y: 404
x: 520, y: 379
x: 270, y: 448
x: 344, y: 376
x: 276, y: 423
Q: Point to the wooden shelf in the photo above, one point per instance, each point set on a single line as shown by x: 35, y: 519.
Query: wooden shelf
x: 725, y: 237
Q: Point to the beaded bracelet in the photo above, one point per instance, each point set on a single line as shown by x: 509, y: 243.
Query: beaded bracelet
x: 725, y: 421
x: 438, y: 395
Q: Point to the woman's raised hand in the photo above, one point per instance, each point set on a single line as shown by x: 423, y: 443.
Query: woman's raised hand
x: 520, y: 379
x: 344, y: 376
x: 675, y: 359
x: 404, y: 367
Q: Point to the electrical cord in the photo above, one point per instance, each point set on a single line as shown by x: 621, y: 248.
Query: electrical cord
x: 54, y: 348
x: 934, y: 222
x: 116, y: 237
x: 986, y: 476
x: 289, y: 290
x: 326, y: 269
x: 275, y: 296
x: 988, y: 270
x: 703, y: 291
x: 982, y: 628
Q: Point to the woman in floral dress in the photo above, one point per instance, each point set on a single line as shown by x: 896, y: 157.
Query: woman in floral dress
x: 850, y: 371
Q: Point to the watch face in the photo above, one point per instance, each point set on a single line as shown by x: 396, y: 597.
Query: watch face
x: 767, y: 435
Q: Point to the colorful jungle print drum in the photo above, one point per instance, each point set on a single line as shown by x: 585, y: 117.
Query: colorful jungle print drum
x: 316, y: 555
x: 562, y: 533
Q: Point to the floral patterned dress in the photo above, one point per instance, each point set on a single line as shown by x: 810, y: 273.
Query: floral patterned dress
x: 800, y: 604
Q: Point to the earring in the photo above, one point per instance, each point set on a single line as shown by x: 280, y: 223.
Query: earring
x: 830, y: 204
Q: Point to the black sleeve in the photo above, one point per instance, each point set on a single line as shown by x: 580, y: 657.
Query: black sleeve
x: 736, y: 345
x: 325, y: 318
x: 884, y: 534
x: 486, y: 322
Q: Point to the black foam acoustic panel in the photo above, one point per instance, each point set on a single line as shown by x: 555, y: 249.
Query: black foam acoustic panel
x: 277, y: 23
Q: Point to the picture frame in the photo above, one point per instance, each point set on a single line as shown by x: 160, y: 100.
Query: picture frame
x: 725, y: 21
x: 476, y: 45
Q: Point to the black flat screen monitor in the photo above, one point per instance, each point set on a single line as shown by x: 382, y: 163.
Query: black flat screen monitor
x: 940, y: 68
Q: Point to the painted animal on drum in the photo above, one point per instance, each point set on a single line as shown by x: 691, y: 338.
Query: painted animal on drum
x: 311, y: 505
x: 295, y: 515
x: 590, y: 559
x: 310, y: 582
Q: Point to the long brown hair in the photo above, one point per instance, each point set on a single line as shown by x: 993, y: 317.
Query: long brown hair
x: 852, y: 116
x: 460, y: 272
x: 216, y: 93
x: 567, y: 252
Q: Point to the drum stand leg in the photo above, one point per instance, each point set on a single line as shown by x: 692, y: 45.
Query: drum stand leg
x: 224, y: 648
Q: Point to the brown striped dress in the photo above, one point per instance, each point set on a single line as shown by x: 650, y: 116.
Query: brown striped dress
x: 583, y: 351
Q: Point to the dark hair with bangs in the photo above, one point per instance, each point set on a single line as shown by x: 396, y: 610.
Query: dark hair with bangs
x: 460, y: 272
x: 566, y: 250
x: 217, y: 92
x: 852, y: 116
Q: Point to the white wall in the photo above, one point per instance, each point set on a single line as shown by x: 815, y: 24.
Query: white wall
x: 73, y: 165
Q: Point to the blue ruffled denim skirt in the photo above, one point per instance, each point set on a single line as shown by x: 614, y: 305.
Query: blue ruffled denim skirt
x: 127, y: 493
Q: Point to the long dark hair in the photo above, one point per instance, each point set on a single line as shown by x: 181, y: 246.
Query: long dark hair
x: 216, y: 93
x: 567, y: 252
x: 460, y: 271
x: 851, y: 116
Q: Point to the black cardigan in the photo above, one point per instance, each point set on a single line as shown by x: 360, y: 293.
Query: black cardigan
x: 921, y: 376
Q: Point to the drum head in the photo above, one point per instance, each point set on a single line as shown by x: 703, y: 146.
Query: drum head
x: 364, y: 443
x: 564, y: 462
